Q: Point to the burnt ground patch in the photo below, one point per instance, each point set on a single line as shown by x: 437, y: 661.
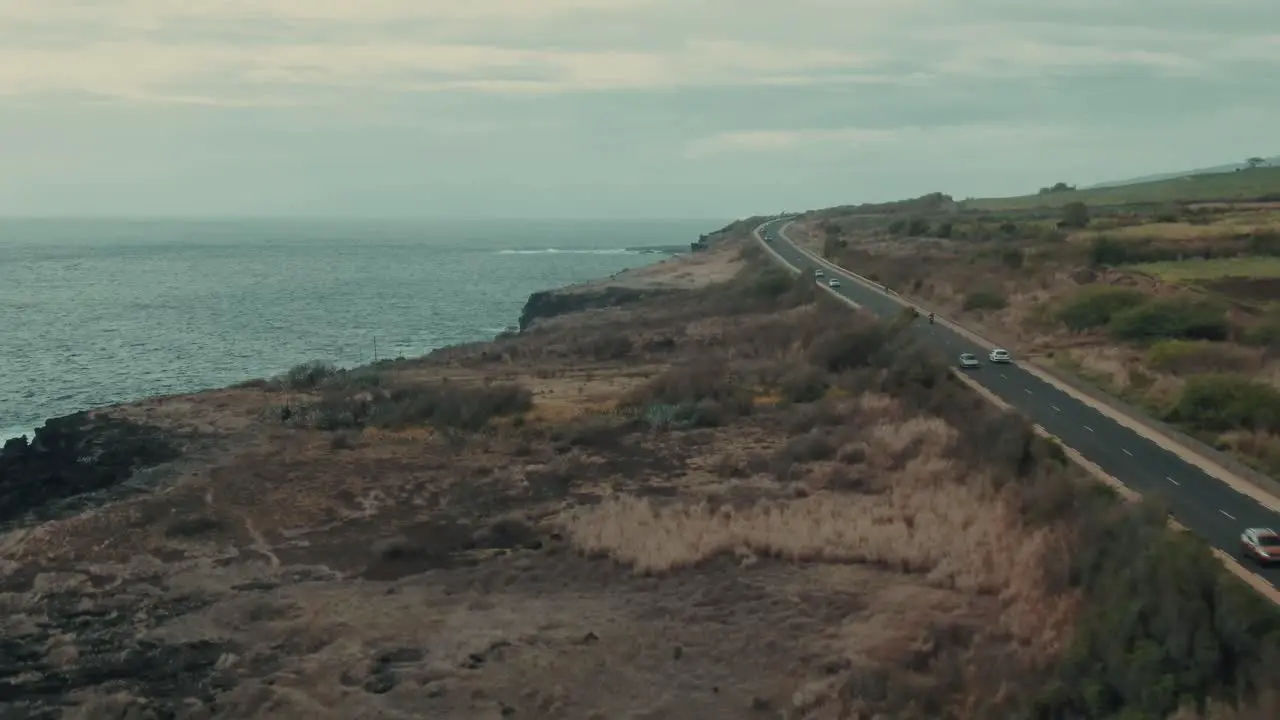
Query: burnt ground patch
x: 90, y: 641
x: 446, y: 543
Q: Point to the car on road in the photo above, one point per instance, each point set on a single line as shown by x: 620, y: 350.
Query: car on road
x: 1000, y: 355
x: 833, y: 283
x: 1261, y: 545
x: 818, y: 273
x: 969, y: 360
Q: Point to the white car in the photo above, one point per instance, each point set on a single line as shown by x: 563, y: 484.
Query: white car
x: 1262, y: 545
x: 1000, y: 355
x: 818, y: 273
x: 833, y: 283
x: 969, y: 360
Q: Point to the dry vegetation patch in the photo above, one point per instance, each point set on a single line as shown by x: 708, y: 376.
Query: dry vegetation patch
x: 749, y: 504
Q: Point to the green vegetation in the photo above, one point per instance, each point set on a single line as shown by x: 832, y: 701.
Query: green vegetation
x: 1165, y: 626
x: 1177, y: 318
x: 1190, y: 357
x: 1221, y: 402
x: 1131, y: 315
x: 1075, y: 215
x: 444, y: 405
x: 985, y: 300
x: 1262, y: 183
x: 1095, y: 307
x: 1214, y: 269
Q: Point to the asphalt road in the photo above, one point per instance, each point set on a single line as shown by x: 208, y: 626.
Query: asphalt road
x: 1201, y: 502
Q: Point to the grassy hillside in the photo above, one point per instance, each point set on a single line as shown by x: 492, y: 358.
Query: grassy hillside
x: 1255, y: 184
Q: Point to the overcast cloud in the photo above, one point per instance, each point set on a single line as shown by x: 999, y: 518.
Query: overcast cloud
x: 637, y: 108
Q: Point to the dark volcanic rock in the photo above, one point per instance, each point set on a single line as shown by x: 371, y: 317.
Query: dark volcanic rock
x: 550, y: 303
x: 73, y: 455
x: 102, y: 650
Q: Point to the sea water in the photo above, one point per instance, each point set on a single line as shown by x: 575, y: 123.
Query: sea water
x: 97, y: 312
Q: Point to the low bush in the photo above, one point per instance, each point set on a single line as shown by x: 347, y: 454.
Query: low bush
x: 803, y: 385
x: 1221, y: 402
x: 1095, y: 307
x: 985, y: 300
x: 444, y: 405
x: 309, y: 376
x: 1185, y: 357
x: 810, y: 447
x: 1176, y: 318
x: 1163, y: 624
x: 698, y: 394
x: 610, y: 345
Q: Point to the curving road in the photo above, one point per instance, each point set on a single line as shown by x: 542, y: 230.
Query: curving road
x: 1201, y: 502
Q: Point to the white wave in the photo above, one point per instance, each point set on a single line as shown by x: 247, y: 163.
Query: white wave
x: 573, y: 251
x: 14, y: 431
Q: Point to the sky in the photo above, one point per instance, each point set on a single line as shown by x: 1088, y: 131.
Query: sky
x: 613, y: 108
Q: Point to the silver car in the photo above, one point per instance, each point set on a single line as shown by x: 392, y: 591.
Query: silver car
x: 969, y: 360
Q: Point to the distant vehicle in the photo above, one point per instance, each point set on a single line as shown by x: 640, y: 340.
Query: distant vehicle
x: 969, y: 360
x: 833, y: 283
x: 818, y: 273
x: 1261, y: 545
x: 1000, y: 355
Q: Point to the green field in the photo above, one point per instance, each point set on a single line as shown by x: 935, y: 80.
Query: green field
x: 1193, y: 270
x: 1243, y: 185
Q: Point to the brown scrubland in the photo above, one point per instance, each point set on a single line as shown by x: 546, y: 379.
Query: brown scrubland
x: 728, y: 499
x: 1170, y: 307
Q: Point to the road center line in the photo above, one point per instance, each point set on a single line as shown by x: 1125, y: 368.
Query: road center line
x: 1086, y: 427
x: 1055, y: 408
x: 1006, y: 377
x: 1224, y: 512
x: 1175, y: 482
x: 1027, y: 390
x: 1126, y: 452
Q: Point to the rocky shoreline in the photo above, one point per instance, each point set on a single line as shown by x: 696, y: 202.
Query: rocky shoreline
x: 120, y: 524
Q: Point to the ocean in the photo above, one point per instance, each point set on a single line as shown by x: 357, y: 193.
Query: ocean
x: 97, y: 312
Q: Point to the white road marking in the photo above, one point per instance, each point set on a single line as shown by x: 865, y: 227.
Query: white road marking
x: 1027, y: 390
x: 1006, y: 377
x: 1086, y: 427
x: 1175, y: 482
x: 1056, y: 408
x: 1224, y: 512
x: 1126, y: 452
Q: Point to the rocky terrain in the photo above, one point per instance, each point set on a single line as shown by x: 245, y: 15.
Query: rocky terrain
x: 691, y: 491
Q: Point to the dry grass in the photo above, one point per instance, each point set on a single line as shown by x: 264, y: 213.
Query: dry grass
x: 849, y: 554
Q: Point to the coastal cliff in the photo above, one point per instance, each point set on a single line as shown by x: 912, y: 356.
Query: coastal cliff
x: 552, y: 303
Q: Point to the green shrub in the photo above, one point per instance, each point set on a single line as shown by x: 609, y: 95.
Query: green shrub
x: 1170, y: 318
x: 804, y: 384
x: 1264, y: 334
x: 702, y: 391
x: 310, y: 375
x: 1221, y: 402
x: 1107, y: 252
x: 1198, y: 356
x: 1075, y: 215
x: 985, y: 300
x: 1095, y: 307
x: 1163, y: 623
